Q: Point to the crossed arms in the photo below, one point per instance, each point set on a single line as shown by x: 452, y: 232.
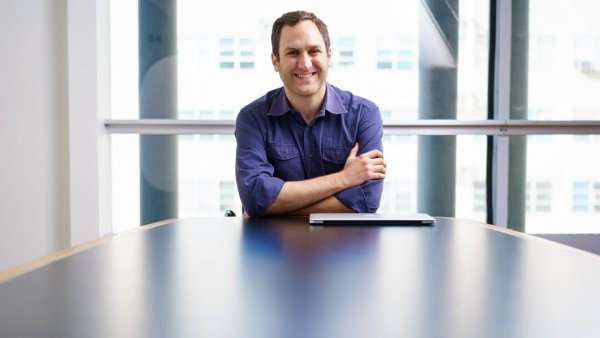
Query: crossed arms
x: 356, y: 187
x: 317, y: 194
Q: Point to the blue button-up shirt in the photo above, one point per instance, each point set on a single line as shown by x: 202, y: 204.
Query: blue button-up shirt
x: 275, y: 145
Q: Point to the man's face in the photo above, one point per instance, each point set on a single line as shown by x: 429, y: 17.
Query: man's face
x: 303, y: 60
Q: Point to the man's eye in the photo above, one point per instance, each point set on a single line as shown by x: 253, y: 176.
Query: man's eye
x: 293, y: 52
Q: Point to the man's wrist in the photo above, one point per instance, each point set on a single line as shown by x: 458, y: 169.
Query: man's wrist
x: 341, y: 181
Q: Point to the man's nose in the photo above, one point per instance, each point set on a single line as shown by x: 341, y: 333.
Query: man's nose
x: 305, y: 60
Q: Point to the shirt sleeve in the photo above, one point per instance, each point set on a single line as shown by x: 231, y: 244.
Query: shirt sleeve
x: 256, y: 184
x: 365, y: 198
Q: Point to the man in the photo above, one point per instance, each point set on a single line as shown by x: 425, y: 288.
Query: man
x: 308, y: 146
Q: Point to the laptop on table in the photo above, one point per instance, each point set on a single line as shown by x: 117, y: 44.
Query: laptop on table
x: 389, y: 219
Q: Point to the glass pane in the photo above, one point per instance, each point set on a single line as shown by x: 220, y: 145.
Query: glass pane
x: 198, y: 179
x: 125, y: 181
x: 377, y: 59
x: 206, y: 168
x: 563, y: 184
x: 473, y: 59
x: 471, y: 189
x: 215, y: 49
x: 564, y: 60
x: 124, y: 60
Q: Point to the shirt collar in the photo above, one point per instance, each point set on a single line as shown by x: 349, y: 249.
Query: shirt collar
x: 332, y: 103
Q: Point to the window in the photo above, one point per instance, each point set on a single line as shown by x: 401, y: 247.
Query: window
x: 597, y: 197
x: 543, y: 197
x: 384, y: 59
x: 236, y: 51
x: 401, y: 199
x: 543, y: 53
x: 246, y: 53
x: 405, y: 61
x: 580, y: 197
x: 479, y: 196
x: 587, y: 55
x: 399, y: 58
x: 563, y: 77
x: 226, y: 53
x: 344, y: 52
x: 227, y: 193
x: 223, y: 67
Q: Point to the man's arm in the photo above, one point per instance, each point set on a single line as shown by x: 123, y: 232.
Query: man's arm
x: 303, y: 197
x: 366, y: 196
x: 330, y: 204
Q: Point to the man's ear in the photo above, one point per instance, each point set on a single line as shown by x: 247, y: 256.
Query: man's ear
x: 275, y: 62
x: 329, y: 56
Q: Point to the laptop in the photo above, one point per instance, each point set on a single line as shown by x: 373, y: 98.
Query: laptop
x: 370, y: 219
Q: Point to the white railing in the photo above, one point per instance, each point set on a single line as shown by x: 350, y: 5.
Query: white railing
x: 396, y: 127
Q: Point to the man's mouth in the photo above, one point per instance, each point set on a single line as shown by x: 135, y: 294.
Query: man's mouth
x: 304, y: 76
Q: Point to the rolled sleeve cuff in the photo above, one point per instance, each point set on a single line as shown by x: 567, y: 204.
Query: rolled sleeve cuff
x: 364, y: 198
x: 354, y: 198
x: 260, y: 196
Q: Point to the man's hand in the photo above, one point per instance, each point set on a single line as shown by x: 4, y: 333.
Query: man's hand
x: 367, y: 166
x: 317, y: 194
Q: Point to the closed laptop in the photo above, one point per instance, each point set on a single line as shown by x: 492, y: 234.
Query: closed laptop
x: 371, y: 219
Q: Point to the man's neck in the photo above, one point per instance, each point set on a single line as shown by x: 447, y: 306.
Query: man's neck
x: 308, y: 107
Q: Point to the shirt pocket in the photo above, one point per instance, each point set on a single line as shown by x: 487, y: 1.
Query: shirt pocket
x: 334, y: 159
x: 286, y: 161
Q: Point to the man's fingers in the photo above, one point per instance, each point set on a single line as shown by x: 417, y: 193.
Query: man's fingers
x: 354, y: 150
x: 377, y: 175
x: 378, y: 161
x: 375, y: 153
x: 378, y: 168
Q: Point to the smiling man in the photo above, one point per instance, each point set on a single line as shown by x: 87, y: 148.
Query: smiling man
x: 308, y: 146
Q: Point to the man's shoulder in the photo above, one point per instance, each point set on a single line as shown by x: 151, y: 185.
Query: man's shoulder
x: 262, y: 104
x: 353, y: 101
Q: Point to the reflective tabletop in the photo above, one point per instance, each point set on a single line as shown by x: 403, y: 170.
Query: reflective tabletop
x: 234, y: 277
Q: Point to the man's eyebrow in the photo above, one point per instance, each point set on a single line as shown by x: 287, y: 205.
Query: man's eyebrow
x: 286, y: 49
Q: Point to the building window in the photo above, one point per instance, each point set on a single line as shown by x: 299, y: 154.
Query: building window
x: 528, y: 197
x: 246, y: 53
x: 479, y: 196
x: 543, y: 197
x: 538, y: 197
x: 597, y: 197
x: 400, y: 200
x: 226, y: 114
x: 580, y: 196
x: 587, y: 54
x: 542, y: 50
x: 404, y: 59
x: 384, y: 59
x: 395, y: 53
x: 226, y: 195
x: 240, y: 52
x: 345, y: 50
x: 226, y: 53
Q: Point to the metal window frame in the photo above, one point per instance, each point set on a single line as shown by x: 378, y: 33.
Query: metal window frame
x: 397, y: 127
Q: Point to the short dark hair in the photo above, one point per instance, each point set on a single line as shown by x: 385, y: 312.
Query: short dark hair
x: 291, y: 19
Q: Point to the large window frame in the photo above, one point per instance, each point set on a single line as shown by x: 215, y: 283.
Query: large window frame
x: 88, y: 36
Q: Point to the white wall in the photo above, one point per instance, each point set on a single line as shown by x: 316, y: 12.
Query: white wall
x: 34, y: 179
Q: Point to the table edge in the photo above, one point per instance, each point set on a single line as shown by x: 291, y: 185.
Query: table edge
x: 36, y: 263
x: 24, y: 268
x: 530, y: 236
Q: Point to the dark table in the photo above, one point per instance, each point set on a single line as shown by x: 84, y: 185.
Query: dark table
x: 228, y: 277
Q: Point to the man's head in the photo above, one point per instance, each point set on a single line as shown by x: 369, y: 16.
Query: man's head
x: 301, y: 56
x: 291, y: 19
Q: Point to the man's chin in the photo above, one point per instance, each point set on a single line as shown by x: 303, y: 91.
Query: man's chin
x: 306, y: 90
